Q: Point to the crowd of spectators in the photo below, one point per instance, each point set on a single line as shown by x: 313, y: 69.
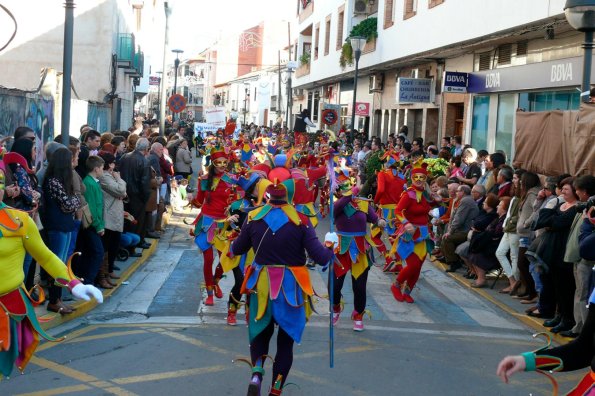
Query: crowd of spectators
x: 101, y: 194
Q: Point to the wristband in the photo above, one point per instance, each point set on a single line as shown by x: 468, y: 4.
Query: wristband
x: 73, y: 283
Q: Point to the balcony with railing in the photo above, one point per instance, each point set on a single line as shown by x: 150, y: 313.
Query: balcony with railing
x: 138, y: 64
x: 125, y: 51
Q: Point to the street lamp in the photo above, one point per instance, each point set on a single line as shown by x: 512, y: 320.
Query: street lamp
x: 176, y: 64
x: 580, y: 14
x: 357, y: 44
x: 246, y: 97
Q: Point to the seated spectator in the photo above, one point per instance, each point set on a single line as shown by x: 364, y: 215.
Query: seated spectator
x: 503, y: 186
x: 492, y: 163
x: 454, y: 169
x: 486, y: 215
x: 458, y: 227
x: 483, y: 245
x: 472, y: 171
x: 478, y: 192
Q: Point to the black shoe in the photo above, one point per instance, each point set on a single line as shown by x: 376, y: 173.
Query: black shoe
x: 144, y: 245
x: 453, y: 267
x: 552, y: 322
x: 569, y: 334
x: 116, y: 268
x: 562, y: 327
x: 135, y: 254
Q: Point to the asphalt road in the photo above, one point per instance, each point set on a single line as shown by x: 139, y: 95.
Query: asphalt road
x: 155, y: 337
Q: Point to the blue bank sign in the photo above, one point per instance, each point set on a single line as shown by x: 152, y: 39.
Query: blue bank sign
x: 455, y: 82
x: 415, y: 90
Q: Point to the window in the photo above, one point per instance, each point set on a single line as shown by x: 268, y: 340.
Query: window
x: 522, y: 48
x: 340, y: 20
x: 504, y: 54
x: 479, y: 124
x: 505, y: 123
x: 316, y: 40
x: 327, y: 35
x: 549, y: 100
x: 410, y: 9
x: 388, y: 14
x: 434, y: 3
x: 315, y: 105
x: 485, y: 61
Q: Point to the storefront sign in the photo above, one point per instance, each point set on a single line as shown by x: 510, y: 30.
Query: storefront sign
x: 415, y: 90
x: 455, y: 82
x: 154, y: 80
x: 559, y: 73
x: 362, y: 109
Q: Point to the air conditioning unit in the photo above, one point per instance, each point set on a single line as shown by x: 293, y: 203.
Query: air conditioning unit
x: 360, y: 7
x: 377, y: 82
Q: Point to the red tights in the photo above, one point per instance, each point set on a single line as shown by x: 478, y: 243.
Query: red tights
x: 208, y: 259
x: 410, y: 273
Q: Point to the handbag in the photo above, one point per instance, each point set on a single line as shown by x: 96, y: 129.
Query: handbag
x: 543, y: 217
x: 87, y: 218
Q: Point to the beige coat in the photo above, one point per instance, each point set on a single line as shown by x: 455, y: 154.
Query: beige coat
x: 114, y: 191
x: 183, y: 161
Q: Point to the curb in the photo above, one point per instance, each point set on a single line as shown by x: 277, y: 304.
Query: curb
x: 527, y: 320
x: 51, y: 320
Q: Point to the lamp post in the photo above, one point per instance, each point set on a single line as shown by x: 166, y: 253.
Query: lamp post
x: 246, y: 97
x: 291, y: 67
x: 162, y: 97
x: 580, y: 14
x: 67, y: 68
x: 176, y: 65
x: 357, y: 43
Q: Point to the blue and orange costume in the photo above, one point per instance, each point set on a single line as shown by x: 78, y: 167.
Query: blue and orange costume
x: 278, y: 281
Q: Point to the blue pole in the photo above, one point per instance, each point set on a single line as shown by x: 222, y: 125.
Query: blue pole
x: 331, y: 271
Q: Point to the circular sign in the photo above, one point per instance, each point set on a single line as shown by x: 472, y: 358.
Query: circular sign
x: 176, y: 103
x: 329, y: 117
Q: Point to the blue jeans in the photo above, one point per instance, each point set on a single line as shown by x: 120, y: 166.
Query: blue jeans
x: 92, y: 255
x: 73, y: 236
x: 128, y: 239
x: 59, y: 243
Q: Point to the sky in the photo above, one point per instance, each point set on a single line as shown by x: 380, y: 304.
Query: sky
x: 196, y: 24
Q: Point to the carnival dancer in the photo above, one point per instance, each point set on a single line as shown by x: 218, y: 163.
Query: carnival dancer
x: 413, y: 240
x: 390, y: 186
x: 577, y: 354
x: 351, y: 214
x: 213, y: 196
x: 19, y: 328
x: 278, y: 279
x: 253, y: 187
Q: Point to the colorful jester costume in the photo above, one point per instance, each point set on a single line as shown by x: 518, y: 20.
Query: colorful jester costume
x: 351, y: 217
x: 213, y: 200
x: 278, y: 281
x: 412, y: 248
x: 19, y: 328
x: 390, y: 186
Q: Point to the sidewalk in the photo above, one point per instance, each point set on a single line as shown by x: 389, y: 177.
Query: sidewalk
x: 510, y: 305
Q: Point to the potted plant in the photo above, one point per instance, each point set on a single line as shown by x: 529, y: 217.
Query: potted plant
x: 305, y: 58
x: 367, y: 28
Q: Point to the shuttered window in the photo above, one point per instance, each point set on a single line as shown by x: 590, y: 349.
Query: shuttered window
x: 410, y: 8
x: 327, y: 35
x: 388, y: 13
x: 485, y: 61
x: 340, y: 28
x: 522, y: 48
x: 504, y: 54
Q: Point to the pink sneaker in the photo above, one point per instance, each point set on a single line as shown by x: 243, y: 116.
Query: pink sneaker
x: 358, y: 322
x: 336, y: 313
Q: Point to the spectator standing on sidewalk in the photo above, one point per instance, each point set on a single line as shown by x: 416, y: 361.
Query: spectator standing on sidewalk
x: 91, y: 142
x: 136, y: 172
x: 183, y: 164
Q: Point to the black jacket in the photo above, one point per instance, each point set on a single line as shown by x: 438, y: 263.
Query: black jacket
x: 136, y: 172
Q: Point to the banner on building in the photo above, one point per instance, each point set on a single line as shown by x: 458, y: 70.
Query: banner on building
x: 415, y: 90
x: 215, y: 116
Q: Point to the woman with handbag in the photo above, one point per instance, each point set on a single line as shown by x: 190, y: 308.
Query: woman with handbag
x: 484, y: 244
x: 58, y: 216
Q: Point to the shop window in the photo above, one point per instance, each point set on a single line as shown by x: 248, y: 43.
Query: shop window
x: 505, y: 123
x: 479, y: 123
x: 549, y: 100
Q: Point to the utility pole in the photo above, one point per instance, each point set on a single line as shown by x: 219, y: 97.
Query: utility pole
x: 289, y: 121
x: 67, y: 69
x: 162, y: 87
x: 279, y: 90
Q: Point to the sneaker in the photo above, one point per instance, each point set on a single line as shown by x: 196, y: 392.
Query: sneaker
x: 358, y: 322
x: 397, y: 293
x: 336, y: 316
x: 231, y: 318
x: 209, y: 300
x: 218, y: 291
x: 254, y: 387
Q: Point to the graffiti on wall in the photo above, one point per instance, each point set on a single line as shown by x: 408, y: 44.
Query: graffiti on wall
x: 34, y: 111
x: 98, y: 117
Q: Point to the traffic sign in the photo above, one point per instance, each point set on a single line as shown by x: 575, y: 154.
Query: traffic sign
x: 176, y: 103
